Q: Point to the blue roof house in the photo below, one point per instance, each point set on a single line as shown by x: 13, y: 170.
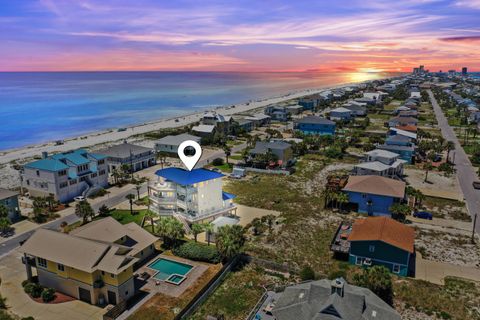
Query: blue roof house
x: 315, y: 125
x: 374, y: 195
x: 66, y: 175
x: 191, y: 196
x: 341, y: 114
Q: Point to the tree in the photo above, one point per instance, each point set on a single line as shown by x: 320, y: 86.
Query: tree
x: 162, y: 157
x: 428, y: 167
x: 230, y: 240
x: 447, y: 168
x: 3, y: 211
x: 103, y: 210
x: 342, y: 198
x: 130, y: 197
x: 196, y: 230
x: 307, y: 273
x: 84, y: 210
x: 228, y: 152
x: 208, y: 227
x: 4, y: 224
x: 450, y: 145
x: 399, y: 211
x: 162, y: 228
x: 116, y: 175
x: 176, y: 230
x: 150, y: 215
x: 50, y: 199
x: 378, y: 280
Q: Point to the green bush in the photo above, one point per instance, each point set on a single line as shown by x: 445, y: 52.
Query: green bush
x: 198, y: 252
x: 307, y: 273
x: 33, y: 289
x: 218, y: 162
x: 25, y: 282
x: 48, y: 294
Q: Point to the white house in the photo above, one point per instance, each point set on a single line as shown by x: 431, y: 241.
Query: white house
x: 381, y: 163
x: 170, y: 144
x: 191, y: 196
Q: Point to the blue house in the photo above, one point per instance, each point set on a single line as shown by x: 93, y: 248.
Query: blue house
x: 398, y: 140
x: 315, y: 125
x: 382, y: 241
x: 341, y: 114
x: 374, y: 195
x: 406, y: 152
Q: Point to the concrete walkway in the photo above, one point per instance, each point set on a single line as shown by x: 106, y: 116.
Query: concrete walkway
x: 435, y: 272
x: 466, y: 174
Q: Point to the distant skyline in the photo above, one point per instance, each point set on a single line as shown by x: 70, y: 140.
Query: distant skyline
x: 210, y: 35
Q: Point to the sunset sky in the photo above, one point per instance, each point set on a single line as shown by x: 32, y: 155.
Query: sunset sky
x: 282, y: 35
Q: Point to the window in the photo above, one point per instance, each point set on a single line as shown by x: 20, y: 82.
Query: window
x: 42, y: 262
x: 364, y: 195
x: 38, y: 173
x: 63, y: 185
x: 101, y: 161
x: 28, y: 182
x: 103, y: 273
x: 112, y: 275
x: 126, y: 293
x: 72, y: 182
x: 396, y: 268
x: 60, y: 267
x: 371, y: 248
x: 93, y: 175
x: 101, y: 172
x: 358, y: 261
x: 62, y: 173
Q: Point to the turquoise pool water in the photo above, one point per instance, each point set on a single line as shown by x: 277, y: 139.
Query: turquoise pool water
x: 166, y: 268
x: 175, y: 278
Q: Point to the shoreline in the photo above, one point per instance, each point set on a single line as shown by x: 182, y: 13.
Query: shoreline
x: 113, y: 135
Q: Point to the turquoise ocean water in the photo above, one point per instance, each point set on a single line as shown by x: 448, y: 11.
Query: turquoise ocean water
x: 43, y: 106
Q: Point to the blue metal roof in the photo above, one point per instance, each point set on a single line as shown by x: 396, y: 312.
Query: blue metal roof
x: 48, y: 165
x: 77, y: 157
x: 185, y: 177
x: 227, y: 196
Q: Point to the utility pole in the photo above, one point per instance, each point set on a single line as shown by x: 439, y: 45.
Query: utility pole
x: 473, y: 230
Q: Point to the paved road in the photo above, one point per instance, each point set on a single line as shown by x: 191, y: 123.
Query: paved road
x: 466, y: 173
x: 110, y: 202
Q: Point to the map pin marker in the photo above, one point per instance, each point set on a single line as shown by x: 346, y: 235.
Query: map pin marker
x: 191, y: 160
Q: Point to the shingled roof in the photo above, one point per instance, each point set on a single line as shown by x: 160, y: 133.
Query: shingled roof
x: 376, y: 185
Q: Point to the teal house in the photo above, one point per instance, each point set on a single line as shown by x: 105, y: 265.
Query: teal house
x: 315, y: 125
x: 382, y: 241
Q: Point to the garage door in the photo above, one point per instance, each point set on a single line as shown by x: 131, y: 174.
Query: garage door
x: 84, y: 295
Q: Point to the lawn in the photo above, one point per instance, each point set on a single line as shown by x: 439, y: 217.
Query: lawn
x: 124, y: 216
x: 446, y: 208
x: 163, y: 307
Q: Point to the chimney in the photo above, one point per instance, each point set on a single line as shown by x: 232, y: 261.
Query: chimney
x: 44, y: 155
x: 337, y: 286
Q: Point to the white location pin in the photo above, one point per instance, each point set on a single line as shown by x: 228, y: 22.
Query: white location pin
x: 189, y: 161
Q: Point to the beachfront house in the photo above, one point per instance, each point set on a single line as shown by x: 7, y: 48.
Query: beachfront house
x: 222, y: 123
x: 9, y: 199
x: 328, y: 299
x: 125, y: 154
x: 315, y: 125
x: 245, y: 125
x: 65, y: 175
x: 169, y: 144
x: 381, y: 163
x: 382, y: 241
x: 95, y: 272
x: 399, y: 140
x: 356, y: 109
x: 374, y: 195
x: 190, y: 196
x: 204, y: 130
x: 406, y: 152
x: 375, y: 96
x: 259, y: 119
x: 341, y: 114
x: 415, y: 93
x: 281, y: 150
x: 277, y: 113
x: 295, y: 109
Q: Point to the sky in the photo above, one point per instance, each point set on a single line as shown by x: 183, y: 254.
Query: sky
x: 247, y: 36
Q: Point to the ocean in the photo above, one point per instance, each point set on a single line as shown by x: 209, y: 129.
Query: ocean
x: 47, y: 106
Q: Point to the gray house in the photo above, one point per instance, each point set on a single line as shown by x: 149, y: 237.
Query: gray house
x: 170, y: 144
x: 137, y: 157
x: 281, y: 149
x: 9, y: 199
x: 335, y: 299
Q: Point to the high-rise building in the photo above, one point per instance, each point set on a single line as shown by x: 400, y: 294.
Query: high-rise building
x: 421, y: 69
x: 464, y: 71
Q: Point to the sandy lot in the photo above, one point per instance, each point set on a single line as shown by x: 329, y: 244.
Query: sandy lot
x: 438, y: 185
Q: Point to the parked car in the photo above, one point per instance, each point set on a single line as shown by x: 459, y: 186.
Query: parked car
x: 476, y: 184
x: 79, y: 198
x: 423, y: 215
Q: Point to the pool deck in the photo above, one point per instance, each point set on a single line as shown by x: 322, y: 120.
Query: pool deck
x: 166, y: 288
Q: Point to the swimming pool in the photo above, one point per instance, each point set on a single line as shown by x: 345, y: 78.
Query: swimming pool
x: 170, y: 271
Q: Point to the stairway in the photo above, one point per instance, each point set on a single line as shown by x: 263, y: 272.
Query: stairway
x: 180, y: 218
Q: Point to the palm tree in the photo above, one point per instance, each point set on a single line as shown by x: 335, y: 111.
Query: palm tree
x: 176, y: 230
x: 130, y: 197
x: 196, y: 230
x: 450, y: 145
x: 115, y: 175
x: 230, y: 240
x: 162, y: 156
x: 3, y: 211
x: 208, y: 227
x: 84, y: 210
x: 4, y: 224
x: 342, y: 198
x: 162, y: 228
x: 50, y: 199
x: 228, y: 152
x: 150, y: 215
x: 103, y: 210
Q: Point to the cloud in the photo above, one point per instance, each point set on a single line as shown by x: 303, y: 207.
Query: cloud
x: 464, y: 39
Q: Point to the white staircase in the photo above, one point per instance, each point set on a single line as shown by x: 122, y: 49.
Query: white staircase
x: 180, y: 218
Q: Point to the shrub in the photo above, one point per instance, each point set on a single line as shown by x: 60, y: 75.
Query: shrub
x: 307, y: 273
x: 48, y: 294
x: 3, y: 302
x: 25, y: 282
x: 33, y: 289
x: 198, y: 252
x: 217, y: 162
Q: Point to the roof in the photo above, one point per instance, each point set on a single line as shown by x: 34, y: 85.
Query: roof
x: 399, y: 138
x: 79, y: 253
x: 381, y: 153
x: 404, y: 133
x: 408, y: 128
x: 124, y: 150
x: 317, y: 301
x: 185, y: 177
x: 341, y: 110
x: 315, y: 120
x: 403, y: 120
x: 178, y: 139
x: 376, y: 185
x: 224, y: 221
x: 5, y: 193
x: 383, y: 229
x: 264, y: 146
x: 63, y: 161
x: 396, y: 147
x: 204, y: 128
x: 355, y: 107
x: 373, y: 165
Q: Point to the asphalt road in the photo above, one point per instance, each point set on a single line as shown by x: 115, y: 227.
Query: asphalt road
x: 110, y: 202
x: 466, y: 173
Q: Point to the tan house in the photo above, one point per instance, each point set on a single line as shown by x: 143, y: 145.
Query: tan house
x: 89, y: 265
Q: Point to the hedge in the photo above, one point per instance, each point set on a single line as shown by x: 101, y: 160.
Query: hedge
x: 198, y: 252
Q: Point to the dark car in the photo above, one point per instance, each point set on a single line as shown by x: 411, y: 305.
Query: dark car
x: 423, y: 215
x: 476, y: 184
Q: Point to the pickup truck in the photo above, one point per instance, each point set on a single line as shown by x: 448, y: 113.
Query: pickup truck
x: 476, y: 184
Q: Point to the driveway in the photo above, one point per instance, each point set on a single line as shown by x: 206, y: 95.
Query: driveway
x: 12, y: 273
x: 465, y: 172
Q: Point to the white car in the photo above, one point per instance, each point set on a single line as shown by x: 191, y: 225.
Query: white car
x: 79, y: 198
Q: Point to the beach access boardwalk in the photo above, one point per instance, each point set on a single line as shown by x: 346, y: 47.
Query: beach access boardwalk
x: 466, y: 173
